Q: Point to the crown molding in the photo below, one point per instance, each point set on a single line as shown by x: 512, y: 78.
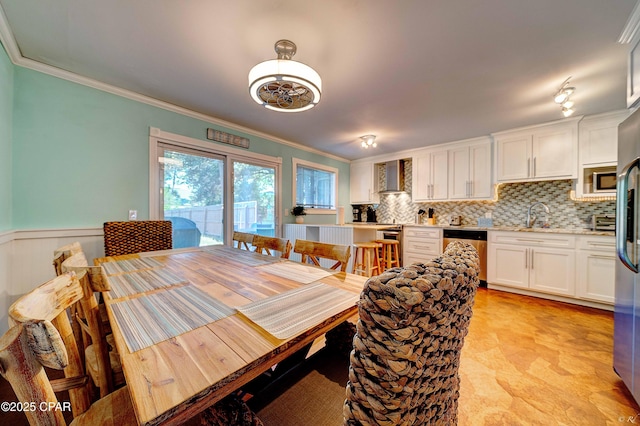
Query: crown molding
x: 632, y: 26
x: 12, y: 49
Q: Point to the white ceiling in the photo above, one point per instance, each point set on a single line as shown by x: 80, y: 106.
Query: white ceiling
x: 414, y: 73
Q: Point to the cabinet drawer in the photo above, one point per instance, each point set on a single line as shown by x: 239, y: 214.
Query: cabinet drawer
x: 411, y: 258
x: 533, y: 239
x: 596, y: 242
x: 421, y: 245
x: 422, y: 232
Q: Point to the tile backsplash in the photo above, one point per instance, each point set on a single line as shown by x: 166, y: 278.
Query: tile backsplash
x: 509, y: 210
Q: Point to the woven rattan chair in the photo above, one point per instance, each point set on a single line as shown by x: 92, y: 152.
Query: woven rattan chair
x: 136, y: 236
x: 313, y: 251
x: 243, y: 240
x: 34, y: 342
x: 406, y: 352
x: 267, y: 244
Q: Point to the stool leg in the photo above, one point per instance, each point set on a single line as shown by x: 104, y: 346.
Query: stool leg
x: 367, y: 262
x: 376, y: 263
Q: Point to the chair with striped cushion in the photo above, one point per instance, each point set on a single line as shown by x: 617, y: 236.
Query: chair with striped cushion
x: 41, y: 336
x: 136, y: 236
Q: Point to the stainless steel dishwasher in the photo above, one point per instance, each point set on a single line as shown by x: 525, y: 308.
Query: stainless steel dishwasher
x: 478, y: 239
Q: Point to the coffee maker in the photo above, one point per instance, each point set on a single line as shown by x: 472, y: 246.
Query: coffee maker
x: 357, y: 213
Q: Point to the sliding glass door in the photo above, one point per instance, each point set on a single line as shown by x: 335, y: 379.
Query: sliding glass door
x: 254, y: 198
x: 193, y: 195
x: 207, y: 195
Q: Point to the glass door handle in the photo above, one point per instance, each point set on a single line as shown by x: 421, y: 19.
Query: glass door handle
x: 622, y: 199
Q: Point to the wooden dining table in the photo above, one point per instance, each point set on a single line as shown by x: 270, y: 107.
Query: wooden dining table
x: 193, y: 325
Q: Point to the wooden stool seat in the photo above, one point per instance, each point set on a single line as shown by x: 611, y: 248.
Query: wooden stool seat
x: 366, y: 261
x: 390, y: 253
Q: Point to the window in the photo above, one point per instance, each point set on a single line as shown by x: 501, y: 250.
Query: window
x: 315, y: 186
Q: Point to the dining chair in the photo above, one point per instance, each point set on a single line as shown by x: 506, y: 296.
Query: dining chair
x: 265, y: 244
x: 24, y: 352
x: 313, y: 251
x: 102, y: 360
x: 136, y: 236
x: 62, y: 253
x: 411, y: 326
x: 41, y: 336
x: 243, y: 240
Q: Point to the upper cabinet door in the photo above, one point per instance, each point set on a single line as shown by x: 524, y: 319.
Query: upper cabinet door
x: 363, y: 188
x: 555, y: 155
x: 544, y: 152
x: 513, y: 160
x: 430, y: 178
x: 459, y: 173
x: 470, y: 171
x: 480, y: 181
x: 440, y: 175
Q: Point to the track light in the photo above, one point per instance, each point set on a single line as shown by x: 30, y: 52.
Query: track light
x: 562, y: 97
x: 367, y: 141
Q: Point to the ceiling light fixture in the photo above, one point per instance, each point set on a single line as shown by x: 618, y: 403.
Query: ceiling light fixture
x: 562, y: 97
x: 284, y: 84
x: 368, y: 141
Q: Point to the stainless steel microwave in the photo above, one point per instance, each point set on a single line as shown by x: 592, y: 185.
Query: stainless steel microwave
x: 604, y: 181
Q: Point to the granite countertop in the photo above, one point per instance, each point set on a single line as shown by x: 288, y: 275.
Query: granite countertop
x: 573, y: 231
x: 523, y: 229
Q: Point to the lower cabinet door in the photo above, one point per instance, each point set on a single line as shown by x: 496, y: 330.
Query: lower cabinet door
x: 508, y: 265
x: 552, y: 270
x: 596, y: 276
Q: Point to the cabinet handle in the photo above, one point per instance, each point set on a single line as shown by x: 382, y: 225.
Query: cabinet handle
x: 601, y: 245
x: 526, y: 258
x: 529, y: 240
x: 528, y: 167
x: 534, y: 166
x: 602, y: 256
x: 531, y: 259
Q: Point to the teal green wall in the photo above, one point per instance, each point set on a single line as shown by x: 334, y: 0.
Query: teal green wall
x: 6, y: 124
x: 80, y: 155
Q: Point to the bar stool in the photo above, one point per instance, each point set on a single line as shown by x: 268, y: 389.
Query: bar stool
x: 366, y: 261
x: 390, y: 253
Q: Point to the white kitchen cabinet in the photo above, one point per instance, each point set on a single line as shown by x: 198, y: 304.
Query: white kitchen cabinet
x: 544, y: 152
x: 532, y: 261
x: 470, y: 174
x: 430, y: 174
x: 596, y: 261
x: 363, y: 183
x: 420, y: 244
x: 598, y: 149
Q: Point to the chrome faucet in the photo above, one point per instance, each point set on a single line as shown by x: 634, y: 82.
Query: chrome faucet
x: 531, y: 219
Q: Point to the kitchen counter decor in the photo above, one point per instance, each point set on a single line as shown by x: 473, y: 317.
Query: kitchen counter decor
x: 412, y: 325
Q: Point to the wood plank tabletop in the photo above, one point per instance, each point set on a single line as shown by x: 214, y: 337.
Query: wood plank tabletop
x: 174, y: 379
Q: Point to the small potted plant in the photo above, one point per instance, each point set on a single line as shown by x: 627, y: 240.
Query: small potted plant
x: 298, y: 212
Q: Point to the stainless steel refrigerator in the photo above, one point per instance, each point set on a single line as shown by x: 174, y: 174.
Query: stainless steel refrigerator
x: 626, y: 347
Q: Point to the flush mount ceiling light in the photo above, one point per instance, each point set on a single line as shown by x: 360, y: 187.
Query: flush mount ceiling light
x: 368, y: 141
x: 562, y: 97
x: 284, y: 84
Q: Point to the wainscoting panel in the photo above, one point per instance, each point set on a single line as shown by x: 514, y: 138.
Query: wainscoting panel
x: 26, y: 260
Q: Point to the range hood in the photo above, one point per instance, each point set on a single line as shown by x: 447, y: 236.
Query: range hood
x: 394, y: 172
